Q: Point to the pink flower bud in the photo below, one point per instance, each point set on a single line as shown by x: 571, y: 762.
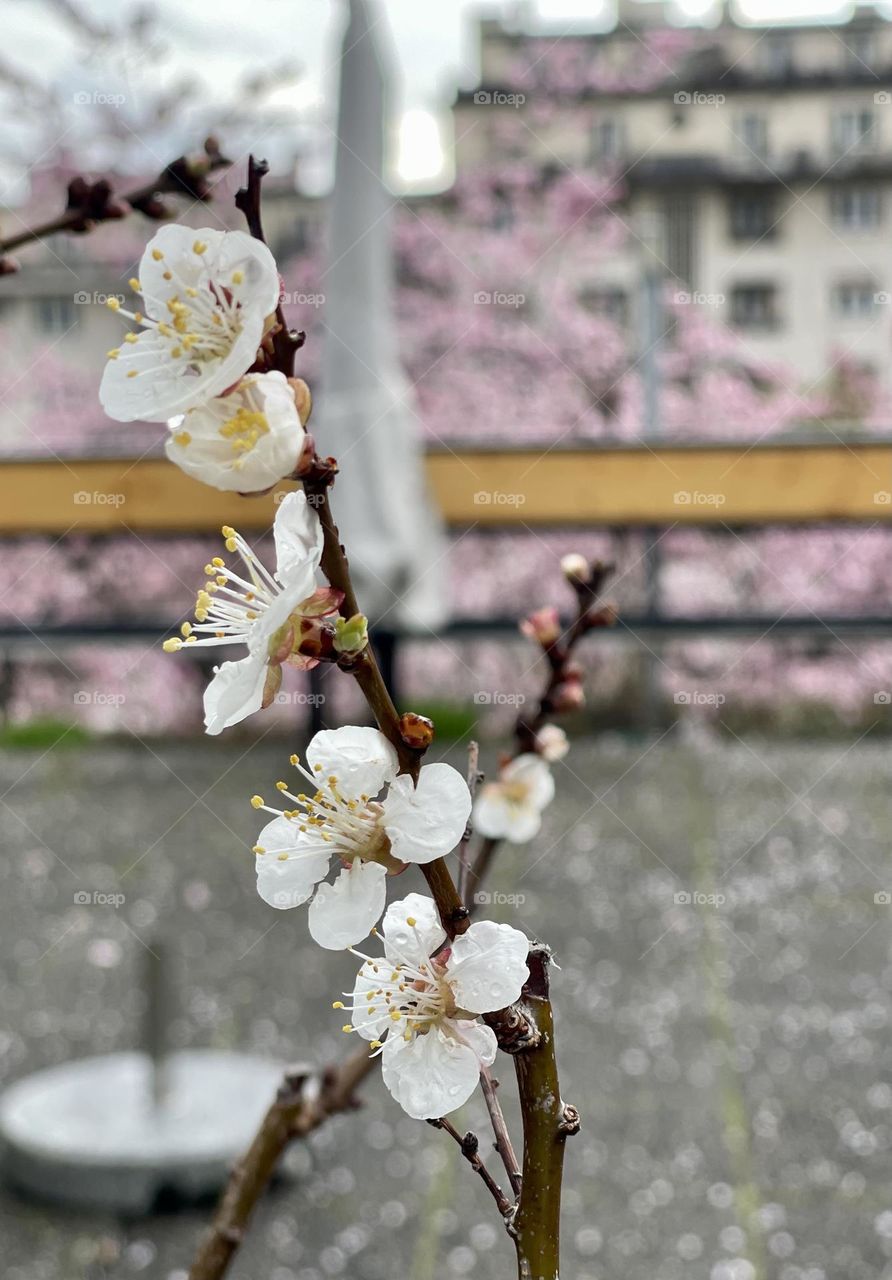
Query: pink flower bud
x: 543, y: 626
x: 569, y: 695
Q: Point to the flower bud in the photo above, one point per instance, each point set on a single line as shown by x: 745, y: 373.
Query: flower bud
x: 303, y: 399
x: 416, y: 731
x: 576, y: 569
x: 351, y: 635
x: 569, y: 695
x: 551, y: 742
x: 543, y: 626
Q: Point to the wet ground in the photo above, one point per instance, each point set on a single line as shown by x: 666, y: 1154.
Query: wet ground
x: 723, y: 1003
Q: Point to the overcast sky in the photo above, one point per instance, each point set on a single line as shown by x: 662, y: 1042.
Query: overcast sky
x: 434, y: 42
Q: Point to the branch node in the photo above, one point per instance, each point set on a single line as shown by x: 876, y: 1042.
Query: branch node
x: 570, y: 1121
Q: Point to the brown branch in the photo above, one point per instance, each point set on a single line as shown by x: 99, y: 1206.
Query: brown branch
x: 547, y: 1122
x: 284, y: 342
x: 297, y: 1110
x: 469, y: 1146
x: 90, y: 203
x: 500, y: 1129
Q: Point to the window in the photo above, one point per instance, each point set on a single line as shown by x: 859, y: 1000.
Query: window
x: 855, y: 300
x: 775, y: 55
x: 858, y: 53
x: 754, y: 306
x: 753, y: 216
x: 610, y: 302
x: 856, y: 208
x: 55, y: 315
x: 607, y: 139
x: 751, y: 131
x: 854, y: 130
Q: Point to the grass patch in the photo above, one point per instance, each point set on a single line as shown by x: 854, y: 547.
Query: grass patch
x: 43, y: 734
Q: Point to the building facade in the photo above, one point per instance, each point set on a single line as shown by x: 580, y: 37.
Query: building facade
x: 758, y: 158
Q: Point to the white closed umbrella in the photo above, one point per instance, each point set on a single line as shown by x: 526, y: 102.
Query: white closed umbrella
x: 365, y: 419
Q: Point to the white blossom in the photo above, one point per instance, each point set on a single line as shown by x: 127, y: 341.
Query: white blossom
x: 418, y: 1004
x: 511, y: 807
x: 360, y: 811
x: 244, y: 441
x: 207, y: 297
x: 257, y: 609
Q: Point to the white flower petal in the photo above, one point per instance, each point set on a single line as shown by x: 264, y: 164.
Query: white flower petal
x: 376, y: 1024
x: 298, y: 536
x: 414, y: 943
x: 511, y: 807
x: 288, y: 882
x: 427, y: 821
x: 226, y: 252
x: 359, y: 757
x: 165, y: 385
x: 159, y: 389
x: 487, y: 966
x: 234, y: 692
x: 481, y: 1038
x: 201, y: 444
x: 278, y: 613
x: 535, y: 774
x: 430, y: 1075
x: 343, y: 913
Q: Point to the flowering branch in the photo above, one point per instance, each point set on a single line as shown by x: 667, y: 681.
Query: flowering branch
x: 90, y: 203
x: 283, y: 343
x: 562, y: 691
x: 302, y: 1104
x: 504, y: 1146
x: 547, y: 1122
x: 470, y: 1149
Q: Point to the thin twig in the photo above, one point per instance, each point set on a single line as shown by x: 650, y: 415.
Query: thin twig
x: 92, y: 203
x: 475, y: 777
x: 297, y: 1110
x: 469, y: 1146
x: 285, y: 342
x: 500, y: 1129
